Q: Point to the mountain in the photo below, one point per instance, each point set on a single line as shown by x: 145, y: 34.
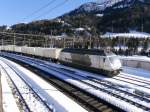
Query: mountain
x: 91, y: 7
x: 135, y: 15
x: 99, y: 7
x: 95, y: 19
x: 94, y: 7
x: 115, y: 16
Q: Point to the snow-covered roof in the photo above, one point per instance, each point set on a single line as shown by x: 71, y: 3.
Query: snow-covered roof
x: 79, y: 29
x: 132, y: 34
x: 122, y: 47
x: 99, y: 15
x: 8, y: 28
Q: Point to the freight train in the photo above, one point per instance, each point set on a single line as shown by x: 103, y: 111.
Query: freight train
x: 99, y: 61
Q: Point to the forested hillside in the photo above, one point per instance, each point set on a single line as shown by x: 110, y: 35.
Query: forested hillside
x: 121, y: 17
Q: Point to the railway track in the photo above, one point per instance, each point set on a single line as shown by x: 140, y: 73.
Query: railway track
x: 26, y: 93
x: 135, y: 79
x: 116, y: 87
x: 83, y: 98
x: 113, y: 91
x: 20, y: 100
x: 108, y: 85
x: 130, y: 82
x: 112, y: 86
x: 88, y: 101
x: 107, y: 88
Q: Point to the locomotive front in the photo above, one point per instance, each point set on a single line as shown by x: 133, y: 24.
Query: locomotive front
x: 114, y: 63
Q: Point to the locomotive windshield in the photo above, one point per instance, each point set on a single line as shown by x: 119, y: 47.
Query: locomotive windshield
x: 113, y: 59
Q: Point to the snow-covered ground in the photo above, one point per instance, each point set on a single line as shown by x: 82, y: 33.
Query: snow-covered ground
x: 144, y: 74
x: 8, y: 100
x: 136, y: 57
x: 54, y: 98
x: 30, y: 98
x: 125, y: 85
x: 131, y: 34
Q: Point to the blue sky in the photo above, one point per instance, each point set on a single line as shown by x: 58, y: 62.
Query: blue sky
x: 14, y: 11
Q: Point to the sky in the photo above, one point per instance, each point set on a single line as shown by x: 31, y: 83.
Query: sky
x: 18, y: 11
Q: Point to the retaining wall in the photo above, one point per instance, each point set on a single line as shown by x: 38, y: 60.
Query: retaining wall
x: 136, y: 63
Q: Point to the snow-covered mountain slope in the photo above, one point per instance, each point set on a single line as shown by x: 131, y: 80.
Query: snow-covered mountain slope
x: 101, y: 5
x: 95, y: 7
x: 89, y: 7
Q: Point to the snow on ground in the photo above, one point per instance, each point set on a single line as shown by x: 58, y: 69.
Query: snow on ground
x: 125, y: 79
x: 125, y: 85
x: 144, y: 74
x: 98, y: 93
x: 50, y: 94
x: 8, y: 100
x: 131, y: 34
x: 136, y: 57
x: 125, y: 95
x: 31, y: 99
x: 115, y: 101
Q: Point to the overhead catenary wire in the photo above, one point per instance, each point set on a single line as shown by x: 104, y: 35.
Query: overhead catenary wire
x: 50, y: 10
x: 40, y: 9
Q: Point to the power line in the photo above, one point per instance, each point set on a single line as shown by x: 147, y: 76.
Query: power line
x: 47, y: 12
x: 38, y: 10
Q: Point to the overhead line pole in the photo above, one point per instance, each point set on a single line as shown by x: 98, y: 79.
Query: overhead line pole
x: 14, y: 39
